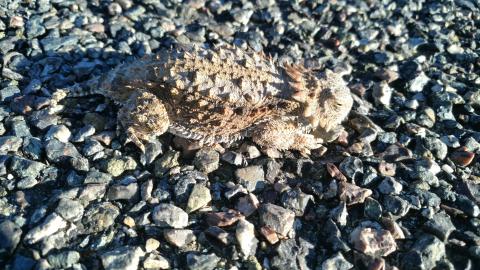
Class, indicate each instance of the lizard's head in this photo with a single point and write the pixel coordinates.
(325, 97)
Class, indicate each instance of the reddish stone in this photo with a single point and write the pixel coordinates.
(352, 194)
(387, 169)
(269, 234)
(462, 156)
(335, 172)
(223, 219)
(373, 242)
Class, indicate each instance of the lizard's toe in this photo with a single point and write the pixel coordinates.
(136, 138)
(306, 142)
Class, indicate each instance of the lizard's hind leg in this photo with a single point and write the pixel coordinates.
(282, 135)
(144, 117)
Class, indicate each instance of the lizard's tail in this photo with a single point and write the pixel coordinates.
(87, 88)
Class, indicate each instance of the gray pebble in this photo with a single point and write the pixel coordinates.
(19, 127)
(124, 257)
(396, 205)
(63, 259)
(135, 12)
(92, 147)
(418, 83)
(202, 261)
(206, 160)
(179, 237)
(234, 158)
(116, 166)
(34, 27)
(95, 177)
(25, 167)
(437, 147)
(55, 43)
(32, 147)
(440, 225)
(166, 162)
(245, 235)
(372, 208)
(184, 183)
(276, 217)
(252, 177)
(339, 214)
(287, 255)
(199, 197)
(351, 166)
(450, 141)
(60, 132)
(27, 182)
(8, 92)
(241, 15)
(468, 206)
(169, 215)
(58, 151)
(52, 224)
(390, 186)
(152, 150)
(114, 9)
(92, 192)
(42, 120)
(122, 192)
(83, 133)
(425, 253)
(7, 44)
(10, 234)
(99, 217)
(70, 210)
(156, 261)
(84, 68)
(10, 143)
(335, 262)
(296, 200)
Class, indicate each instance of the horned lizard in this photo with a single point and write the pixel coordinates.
(221, 95)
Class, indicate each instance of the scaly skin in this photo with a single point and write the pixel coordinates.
(221, 95)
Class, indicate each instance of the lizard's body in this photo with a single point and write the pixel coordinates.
(221, 95)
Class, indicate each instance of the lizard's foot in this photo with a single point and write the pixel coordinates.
(283, 135)
(306, 142)
(330, 135)
(143, 116)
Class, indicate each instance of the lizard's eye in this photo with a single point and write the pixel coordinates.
(337, 104)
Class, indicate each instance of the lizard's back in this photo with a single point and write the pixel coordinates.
(211, 95)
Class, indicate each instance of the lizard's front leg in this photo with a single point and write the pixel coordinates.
(282, 135)
(143, 116)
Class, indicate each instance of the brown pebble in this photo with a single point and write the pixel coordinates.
(96, 28)
(16, 22)
(352, 194)
(387, 169)
(269, 234)
(223, 219)
(335, 172)
(343, 138)
(462, 156)
(373, 242)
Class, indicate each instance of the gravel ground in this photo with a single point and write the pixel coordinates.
(399, 189)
